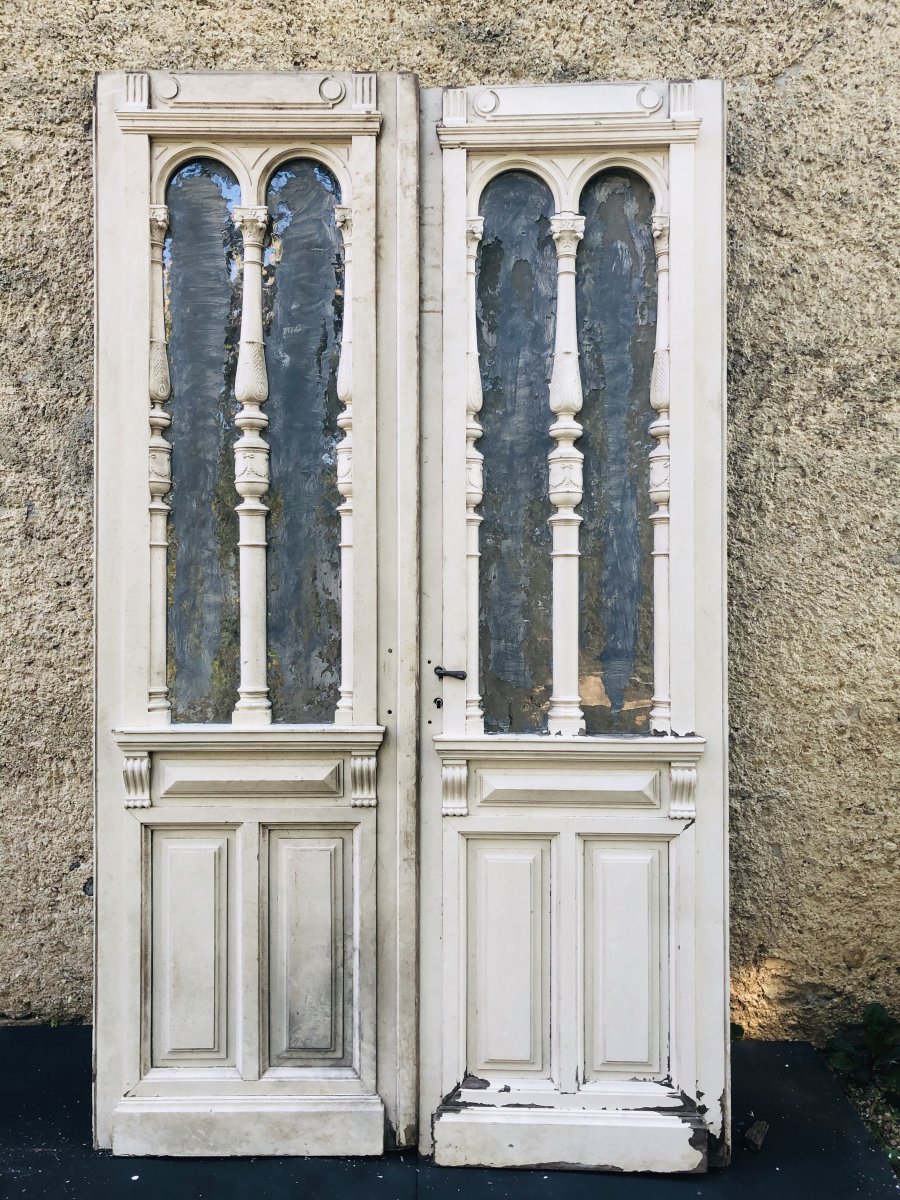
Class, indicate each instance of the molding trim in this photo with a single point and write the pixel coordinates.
(276, 738)
(547, 750)
(240, 122)
(555, 133)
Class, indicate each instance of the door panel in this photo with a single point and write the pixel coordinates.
(625, 907)
(193, 968)
(310, 947)
(508, 952)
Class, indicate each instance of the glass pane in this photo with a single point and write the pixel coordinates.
(203, 306)
(302, 311)
(516, 312)
(616, 299)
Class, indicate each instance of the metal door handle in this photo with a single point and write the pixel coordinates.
(440, 672)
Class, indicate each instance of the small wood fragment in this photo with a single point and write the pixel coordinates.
(755, 1136)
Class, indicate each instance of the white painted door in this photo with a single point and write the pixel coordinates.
(257, 272)
(573, 950)
(410, 668)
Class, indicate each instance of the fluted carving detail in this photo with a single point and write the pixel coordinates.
(566, 481)
(136, 777)
(363, 773)
(661, 710)
(343, 216)
(454, 788)
(683, 791)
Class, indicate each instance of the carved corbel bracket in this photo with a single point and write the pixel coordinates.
(683, 788)
(136, 773)
(454, 788)
(363, 773)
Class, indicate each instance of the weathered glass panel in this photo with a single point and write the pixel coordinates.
(616, 304)
(202, 275)
(302, 312)
(516, 312)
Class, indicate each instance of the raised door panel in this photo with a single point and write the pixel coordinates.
(508, 1018)
(191, 967)
(310, 938)
(624, 953)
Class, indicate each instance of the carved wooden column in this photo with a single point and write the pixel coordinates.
(474, 483)
(344, 714)
(160, 471)
(661, 711)
(251, 476)
(566, 482)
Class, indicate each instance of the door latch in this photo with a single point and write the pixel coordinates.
(440, 672)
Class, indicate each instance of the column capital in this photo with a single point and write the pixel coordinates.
(252, 220)
(343, 218)
(660, 225)
(568, 230)
(159, 223)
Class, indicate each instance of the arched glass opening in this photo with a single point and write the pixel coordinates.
(515, 318)
(616, 307)
(302, 315)
(202, 282)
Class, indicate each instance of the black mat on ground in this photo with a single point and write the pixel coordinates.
(816, 1147)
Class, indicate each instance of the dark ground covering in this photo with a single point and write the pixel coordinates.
(817, 1147)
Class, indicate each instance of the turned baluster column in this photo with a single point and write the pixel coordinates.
(344, 714)
(160, 470)
(661, 711)
(566, 482)
(251, 476)
(474, 483)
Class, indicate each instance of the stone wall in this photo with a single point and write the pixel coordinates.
(813, 401)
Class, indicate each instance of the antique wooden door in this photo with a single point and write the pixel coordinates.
(573, 949)
(256, 624)
(410, 715)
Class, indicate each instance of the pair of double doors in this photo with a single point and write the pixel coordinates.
(410, 689)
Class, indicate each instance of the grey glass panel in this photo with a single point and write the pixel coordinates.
(303, 310)
(203, 305)
(616, 299)
(516, 312)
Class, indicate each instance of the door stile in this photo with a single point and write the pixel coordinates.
(403, 1107)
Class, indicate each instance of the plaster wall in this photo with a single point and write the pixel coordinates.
(813, 412)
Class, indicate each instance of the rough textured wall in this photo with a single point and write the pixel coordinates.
(813, 401)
